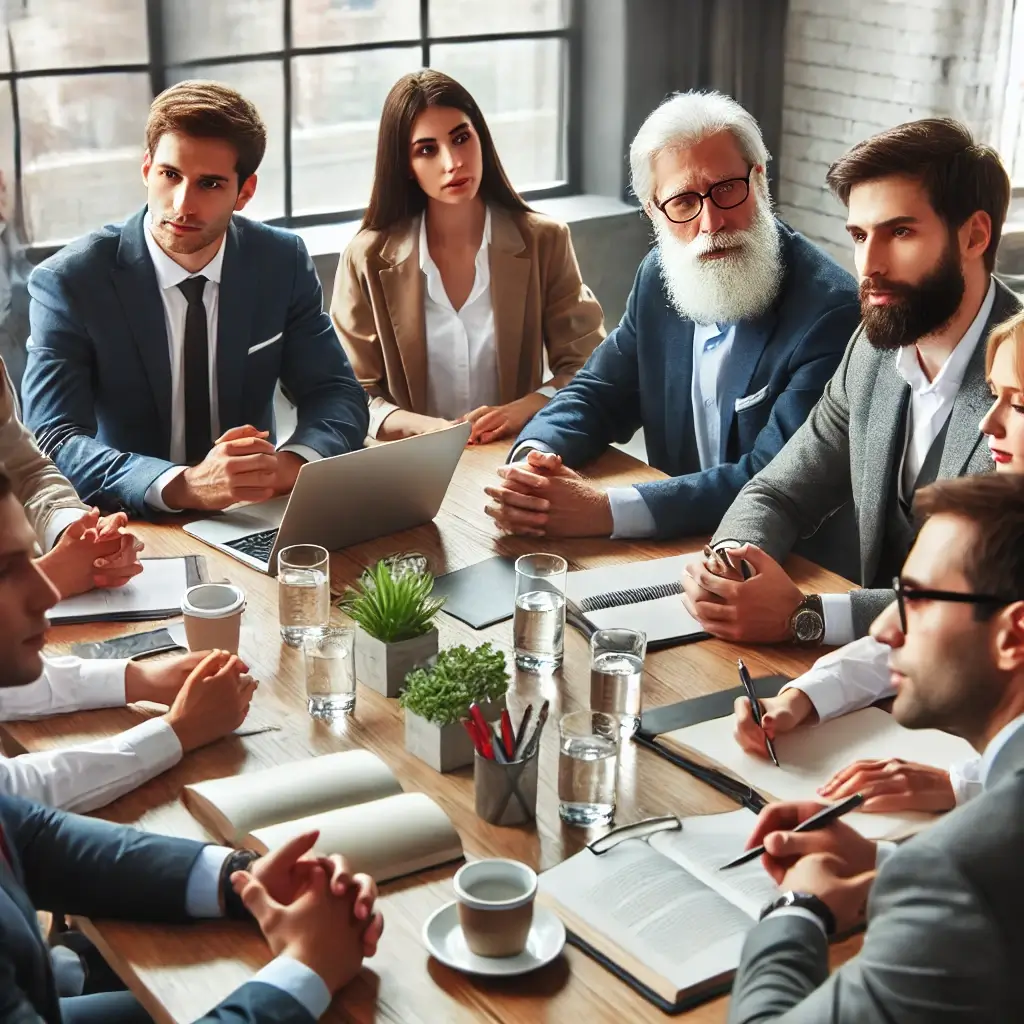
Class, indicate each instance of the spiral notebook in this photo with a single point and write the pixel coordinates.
(637, 595)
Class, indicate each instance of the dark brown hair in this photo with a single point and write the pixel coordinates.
(210, 110)
(396, 195)
(959, 175)
(994, 502)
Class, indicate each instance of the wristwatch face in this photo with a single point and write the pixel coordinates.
(808, 626)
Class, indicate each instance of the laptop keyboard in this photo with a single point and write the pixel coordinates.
(255, 545)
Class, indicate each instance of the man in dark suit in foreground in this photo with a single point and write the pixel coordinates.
(945, 914)
(157, 344)
(317, 918)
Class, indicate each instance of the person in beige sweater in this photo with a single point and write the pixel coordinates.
(80, 548)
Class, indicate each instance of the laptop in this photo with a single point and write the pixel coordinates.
(343, 500)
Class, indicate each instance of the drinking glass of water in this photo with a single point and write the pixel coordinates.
(539, 624)
(588, 757)
(330, 671)
(303, 591)
(616, 674)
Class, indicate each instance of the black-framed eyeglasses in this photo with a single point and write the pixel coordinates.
(685, 206)
(905, 592)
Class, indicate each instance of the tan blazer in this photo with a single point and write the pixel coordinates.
(538, 297)
(38, 483)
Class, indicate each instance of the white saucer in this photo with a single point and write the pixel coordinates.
(442, 935)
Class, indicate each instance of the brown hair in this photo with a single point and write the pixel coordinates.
(396, 195)
(1008, 330)
(959, 175)
(994, 502)
(210, 110)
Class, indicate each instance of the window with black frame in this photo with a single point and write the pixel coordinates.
(76, 80)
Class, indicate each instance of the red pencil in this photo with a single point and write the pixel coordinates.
(508, 740)
(483, 731)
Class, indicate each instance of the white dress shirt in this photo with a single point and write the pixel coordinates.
(931, 402)
(168, 276)
(87, 776)
(462, 354)
(857, 675)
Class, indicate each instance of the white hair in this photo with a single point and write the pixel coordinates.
(684, 120)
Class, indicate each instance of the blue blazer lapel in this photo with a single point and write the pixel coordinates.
(136, 286)
(234, 330)
(680, 440)
(747, 346)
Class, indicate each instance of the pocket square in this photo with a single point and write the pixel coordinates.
(264, 344)
(751, 400)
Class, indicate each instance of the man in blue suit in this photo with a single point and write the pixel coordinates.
(317, 917)
(733, 328)
(157, 343)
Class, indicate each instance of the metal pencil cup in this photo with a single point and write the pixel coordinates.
(506, 794)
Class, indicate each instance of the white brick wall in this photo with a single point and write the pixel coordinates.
(854, 67)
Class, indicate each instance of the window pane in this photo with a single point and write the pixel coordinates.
(72, 33)
(517, 85)
(341, 22)
(337, 102)
(81, 146)
(471, 17)
(199, 29)
(261, 82)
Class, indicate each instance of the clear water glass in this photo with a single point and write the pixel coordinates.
(330, 661)
(588, 759)
(538, 627)
(616, 674)
(303, 591)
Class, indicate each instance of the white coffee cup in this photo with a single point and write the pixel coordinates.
(213, 616)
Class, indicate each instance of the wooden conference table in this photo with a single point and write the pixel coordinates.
(180, 972)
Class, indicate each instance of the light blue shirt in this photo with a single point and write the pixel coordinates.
(202, 899)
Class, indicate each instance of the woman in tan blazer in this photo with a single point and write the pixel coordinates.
(454, 290)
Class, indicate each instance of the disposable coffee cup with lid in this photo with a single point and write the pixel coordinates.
(213, 616)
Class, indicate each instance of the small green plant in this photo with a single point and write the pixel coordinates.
(392, 608)
(443, 692)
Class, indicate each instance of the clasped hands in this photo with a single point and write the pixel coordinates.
(94, 551)
(836, 864)
(541, 497)
(313, 909)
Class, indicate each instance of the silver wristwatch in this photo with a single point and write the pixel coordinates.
(807, 623)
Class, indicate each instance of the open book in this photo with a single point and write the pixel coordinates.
(352, 798)
(637, 595)
(660, 910)
(810, 757)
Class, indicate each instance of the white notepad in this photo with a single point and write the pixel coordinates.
(155, 593)
(616, 596)
(810, 757)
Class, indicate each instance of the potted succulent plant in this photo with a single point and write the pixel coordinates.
(436, 697)
(394, 616)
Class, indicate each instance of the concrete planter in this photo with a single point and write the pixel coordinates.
(445, 747)
(383, 667)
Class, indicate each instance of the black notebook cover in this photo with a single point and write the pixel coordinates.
(656, 721)
(479, 595)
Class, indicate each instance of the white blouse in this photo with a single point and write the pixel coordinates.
(462, 354)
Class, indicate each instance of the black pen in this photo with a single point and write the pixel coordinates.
(822, 819)
(755, 707)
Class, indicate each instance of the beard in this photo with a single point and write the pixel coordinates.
(738, 286)
(918, 309)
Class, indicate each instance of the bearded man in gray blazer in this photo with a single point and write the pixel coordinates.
(926, 207)
(945, 911)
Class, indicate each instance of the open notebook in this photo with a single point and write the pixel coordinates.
(637, 595)
(658, 911)
(352, 798)
(809, 757)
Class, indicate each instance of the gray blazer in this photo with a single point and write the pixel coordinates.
(845, 450)
(945, 936)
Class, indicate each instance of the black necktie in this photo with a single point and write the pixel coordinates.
(198, 441)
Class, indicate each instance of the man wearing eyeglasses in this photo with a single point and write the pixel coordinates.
(734, 325)
(944, 910)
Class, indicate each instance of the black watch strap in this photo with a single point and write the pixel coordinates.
(805, 901)
(240, 860)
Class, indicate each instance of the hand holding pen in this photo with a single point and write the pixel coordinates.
(755, 708)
